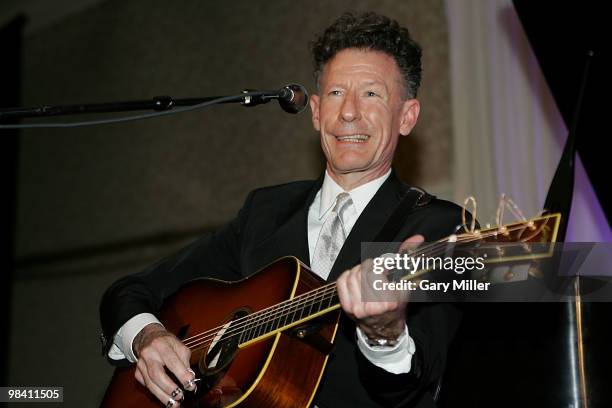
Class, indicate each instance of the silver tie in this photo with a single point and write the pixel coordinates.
(331, 237)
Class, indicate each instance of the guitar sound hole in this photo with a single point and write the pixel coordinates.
(214, 364)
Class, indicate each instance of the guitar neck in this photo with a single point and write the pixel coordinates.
(317, 302)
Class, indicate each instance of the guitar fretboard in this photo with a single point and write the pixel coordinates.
(289, 313)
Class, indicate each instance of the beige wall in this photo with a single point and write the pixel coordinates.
(100, 186)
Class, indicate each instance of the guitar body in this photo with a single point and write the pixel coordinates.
(280, 370)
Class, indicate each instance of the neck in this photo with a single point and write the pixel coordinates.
(352, 180)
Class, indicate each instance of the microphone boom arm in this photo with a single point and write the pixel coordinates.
(158, 103)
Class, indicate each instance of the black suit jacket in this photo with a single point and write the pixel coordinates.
(273, 223)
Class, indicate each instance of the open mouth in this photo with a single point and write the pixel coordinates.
(356, 138)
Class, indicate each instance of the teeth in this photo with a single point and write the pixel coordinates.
(353, 138)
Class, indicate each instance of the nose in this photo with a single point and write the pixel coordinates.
(349, 111)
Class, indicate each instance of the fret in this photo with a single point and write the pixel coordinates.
(286, 313)
(276, 319)
(266, 321)
(258, 325)
(319, 301)
(283, 317)
(301, 312)
(292, 311)
(296, 309)
(270, 320)
(331, 298)
(241, 334)
(311, 301)
(254, 320)
(322, 305)
(249, 327)
(270, 317)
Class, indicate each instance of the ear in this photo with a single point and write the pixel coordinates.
(314, 107)
(409, 115)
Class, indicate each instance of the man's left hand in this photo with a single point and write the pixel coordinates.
(384, 320)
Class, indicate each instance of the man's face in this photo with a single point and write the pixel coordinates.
(360, 113)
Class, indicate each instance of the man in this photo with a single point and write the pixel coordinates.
(368, 71)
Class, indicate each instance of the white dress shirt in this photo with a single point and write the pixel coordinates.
(395, 359)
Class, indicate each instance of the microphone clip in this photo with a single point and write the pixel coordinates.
(260, 99)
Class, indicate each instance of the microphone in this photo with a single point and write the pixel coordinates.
(293, 98)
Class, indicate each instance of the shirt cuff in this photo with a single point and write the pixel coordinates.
(395, 359)
(122, 342)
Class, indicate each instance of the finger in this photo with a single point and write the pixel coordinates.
(139, 377)
(190, 385)
(158, 375)
(157, 355)
(171, 353)
(184, 354)
(343, 294)
(353, 287)
(177, 366)
(412, 242)
(188, 377)
(162, 396)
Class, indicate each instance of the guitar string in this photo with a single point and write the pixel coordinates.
(278, 311)
(259, 315)
(258, 322)
(331, 294)
(258, 319)
(302, 300)
(460, 238)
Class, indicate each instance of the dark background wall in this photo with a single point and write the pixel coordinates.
(97, 203)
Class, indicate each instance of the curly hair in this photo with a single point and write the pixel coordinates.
(370, 31)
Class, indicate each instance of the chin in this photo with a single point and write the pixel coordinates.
(350, 167)
(352, 160)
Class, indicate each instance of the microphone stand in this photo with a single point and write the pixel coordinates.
(158, 103)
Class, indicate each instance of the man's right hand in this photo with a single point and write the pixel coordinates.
(157, 349)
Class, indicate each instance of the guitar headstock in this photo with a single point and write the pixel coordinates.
(540, 229)
(516, 245)
(523, 240)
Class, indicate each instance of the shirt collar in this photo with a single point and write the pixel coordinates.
(361, 195)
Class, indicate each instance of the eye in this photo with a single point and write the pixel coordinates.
(371, 93)
(335, 92)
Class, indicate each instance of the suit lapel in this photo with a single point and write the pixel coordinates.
(371, 221)
(291, 237)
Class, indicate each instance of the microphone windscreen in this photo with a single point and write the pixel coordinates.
(293, 98)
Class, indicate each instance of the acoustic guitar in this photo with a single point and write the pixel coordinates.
(264, 341)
